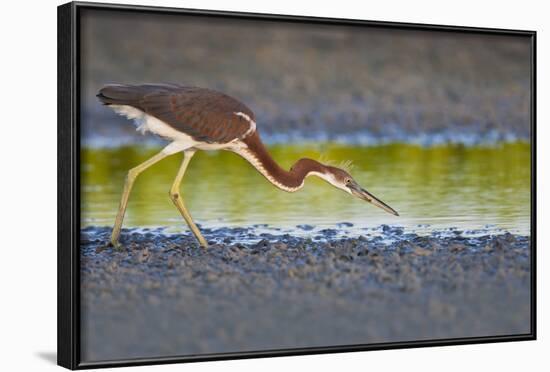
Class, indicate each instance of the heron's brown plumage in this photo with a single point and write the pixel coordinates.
(204, 114)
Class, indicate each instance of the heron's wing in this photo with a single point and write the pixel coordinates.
(203, 114)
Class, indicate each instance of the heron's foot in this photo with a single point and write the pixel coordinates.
(195, 230)
(202, 241)
(106, 246)
(116, 245)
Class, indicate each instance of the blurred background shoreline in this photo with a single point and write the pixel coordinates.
(316, 83)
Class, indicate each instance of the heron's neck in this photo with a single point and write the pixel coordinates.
(293, 180)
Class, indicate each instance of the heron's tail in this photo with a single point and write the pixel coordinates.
(119, 94)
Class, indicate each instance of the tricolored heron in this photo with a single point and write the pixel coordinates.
(194, 119)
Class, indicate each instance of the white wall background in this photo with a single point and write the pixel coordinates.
(28, 184)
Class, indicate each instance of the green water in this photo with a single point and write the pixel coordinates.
(432, 188)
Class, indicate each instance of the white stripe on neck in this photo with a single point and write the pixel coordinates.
(256, 163)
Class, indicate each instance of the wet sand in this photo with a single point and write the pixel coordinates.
(165, 296)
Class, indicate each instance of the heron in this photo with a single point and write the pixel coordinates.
(193, 118)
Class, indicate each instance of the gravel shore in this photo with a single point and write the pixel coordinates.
(162, 295)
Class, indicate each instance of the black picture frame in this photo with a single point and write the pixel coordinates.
(68, 337)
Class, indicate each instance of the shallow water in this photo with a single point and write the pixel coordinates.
(469, 189)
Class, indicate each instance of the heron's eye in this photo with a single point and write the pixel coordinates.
(348, 181)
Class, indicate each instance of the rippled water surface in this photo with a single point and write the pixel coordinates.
(436, 188)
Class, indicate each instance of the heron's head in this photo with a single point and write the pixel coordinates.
(342, 180)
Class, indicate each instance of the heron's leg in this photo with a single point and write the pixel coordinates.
(130, 178)
(178, 200)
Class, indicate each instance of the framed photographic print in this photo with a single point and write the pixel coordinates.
(236, 185)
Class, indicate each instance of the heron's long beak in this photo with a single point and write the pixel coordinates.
(361, 193)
